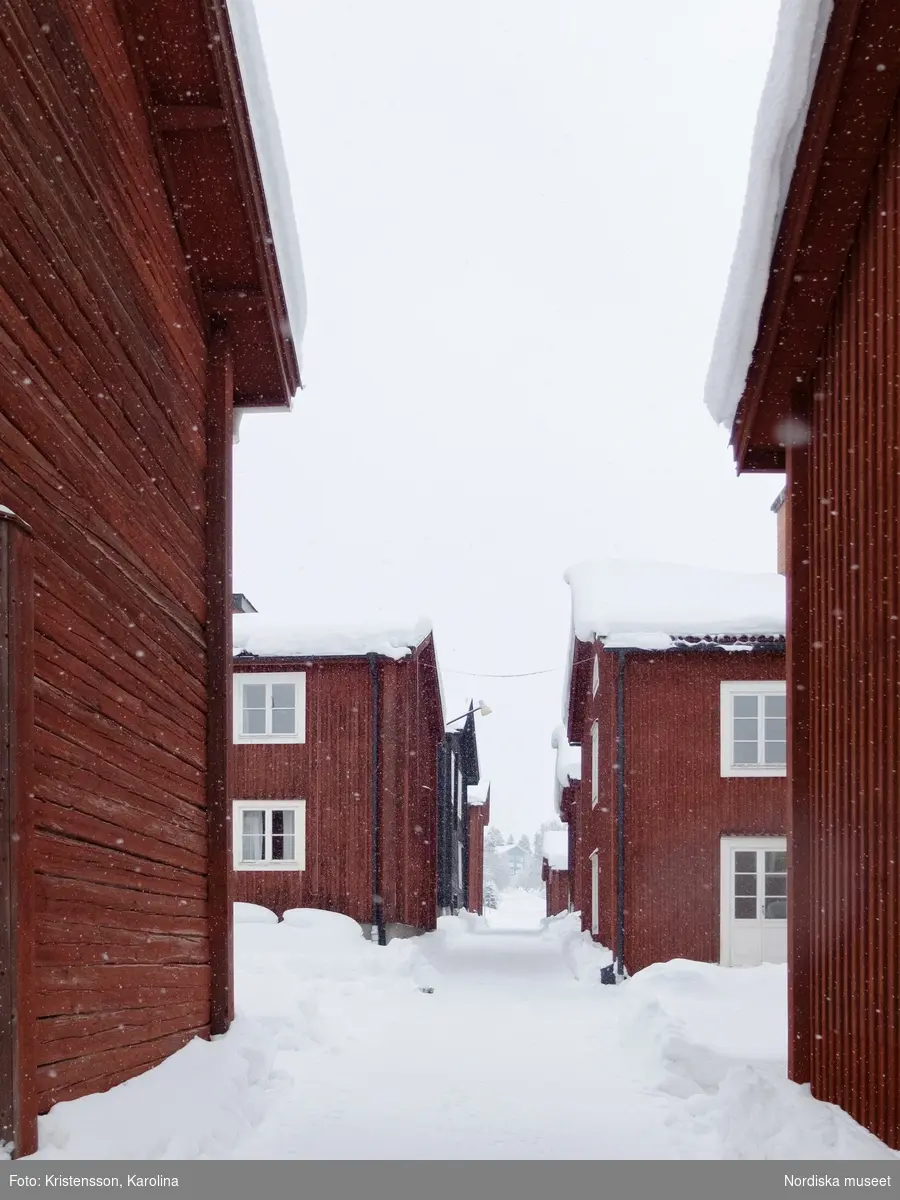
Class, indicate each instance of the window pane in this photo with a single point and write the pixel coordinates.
(283, 720)
(745, 730)
(745, 753)
(254, 695)
(745, 860)
(776, 885)
(776, 754)
(776, 706)
(283, 695)
(776, 729)
(253, 836)
(776, 860)
(776, 910)
(283, 834)
(745, 706)
(745, 885)
(745, 908)
(253, 705)
(254, 721)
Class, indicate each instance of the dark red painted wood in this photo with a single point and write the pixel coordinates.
(220, 423)
(18, 1112)
(115, 447)
(677, 805)
(479, 816)
(331, 772)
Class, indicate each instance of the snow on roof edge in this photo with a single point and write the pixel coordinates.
(800, 35)
(555, 849)
(272, 164)
(650, 605)
(258, 638)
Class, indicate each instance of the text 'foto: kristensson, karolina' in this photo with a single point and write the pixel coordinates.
(848, 1181)
(95, 1181)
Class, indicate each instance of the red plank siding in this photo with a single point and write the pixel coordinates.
(677, 805)
(102, 428)
(332, 772)
(557, 885)
(848, 1017)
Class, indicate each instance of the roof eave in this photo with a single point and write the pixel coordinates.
(851, 105)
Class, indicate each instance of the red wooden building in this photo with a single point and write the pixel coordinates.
(676, 697)
(335, 772)
(479, 812)
(567, 783)
(555, 871)
(805, 373)
(141, 306)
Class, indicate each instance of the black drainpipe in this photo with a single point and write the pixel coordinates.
(377, 899)
(620, 815)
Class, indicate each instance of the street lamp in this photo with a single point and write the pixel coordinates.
(482, 708)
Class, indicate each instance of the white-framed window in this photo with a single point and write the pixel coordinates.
(269, 835)
(595, 764)
(754, 728)
(270, 708)
(596, 683)
(595, 892)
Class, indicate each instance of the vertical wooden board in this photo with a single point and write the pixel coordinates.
(678, 806)
(853, 651)
(331, 771)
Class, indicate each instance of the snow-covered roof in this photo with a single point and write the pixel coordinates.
(568, 764)
(651, 606)
(800, 34)
(254, 635)
(476, 799)
(555, 849)
(272, 162)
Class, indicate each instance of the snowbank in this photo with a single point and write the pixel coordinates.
(253, 914)
(652, 605)
(206, 1098)
(583, 957)
(255, 635)
(716, 1037)
(779, 128)
(196, 1104)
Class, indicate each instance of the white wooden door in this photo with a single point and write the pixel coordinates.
(753, 901)
(595, 894)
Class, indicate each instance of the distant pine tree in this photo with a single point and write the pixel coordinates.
(491, 899)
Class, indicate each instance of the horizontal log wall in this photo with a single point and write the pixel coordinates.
(102, 451)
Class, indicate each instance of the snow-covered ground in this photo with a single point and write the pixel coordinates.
(492, 1038)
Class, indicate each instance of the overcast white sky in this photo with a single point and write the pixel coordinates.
(517, 219)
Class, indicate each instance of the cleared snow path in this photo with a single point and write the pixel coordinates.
(340, 1051)
(507, 1058)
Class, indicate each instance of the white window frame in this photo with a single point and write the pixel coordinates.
(298, 807)
(595, 764)
(596, 682)
(728, 691)
(595, 893)
(298, 679)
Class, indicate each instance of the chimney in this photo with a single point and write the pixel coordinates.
(780, 508)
